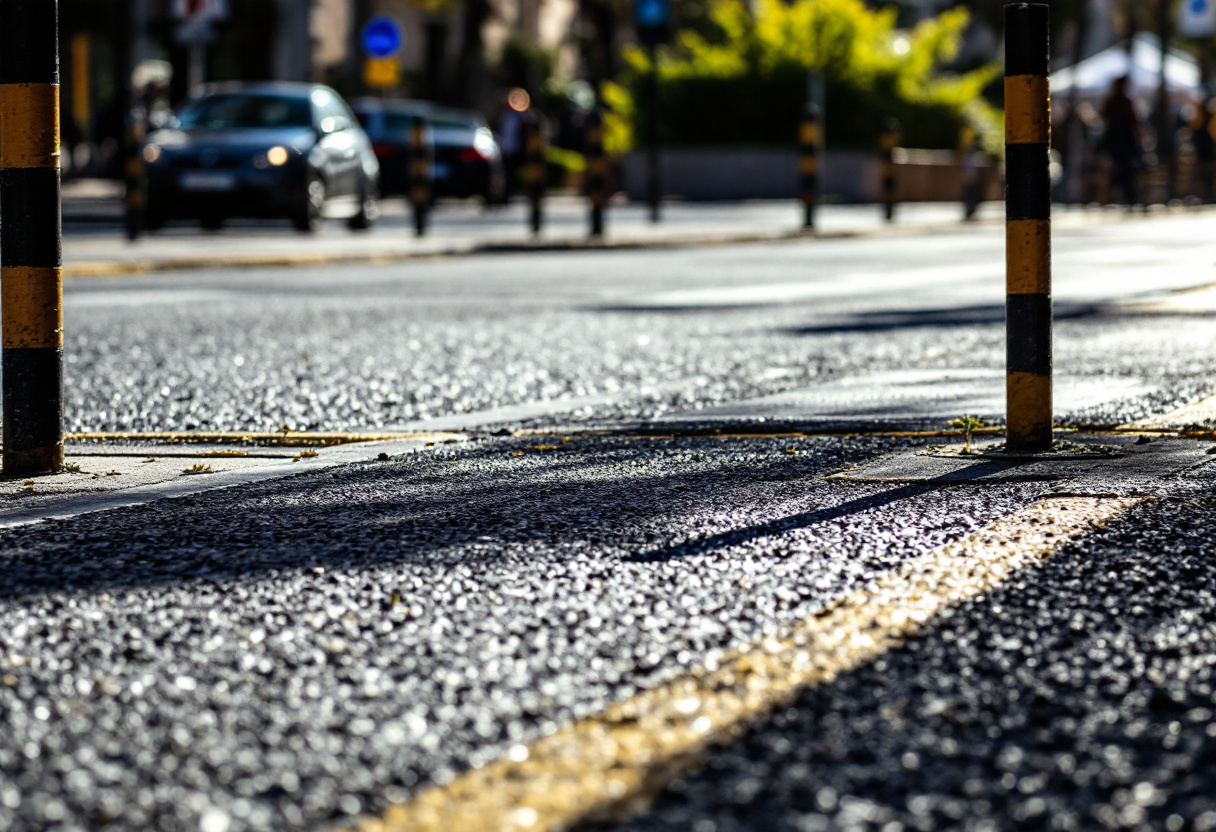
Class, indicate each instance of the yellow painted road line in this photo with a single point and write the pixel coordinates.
(606, 766)
(275, 439)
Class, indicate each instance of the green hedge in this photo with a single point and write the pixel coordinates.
(748, 86)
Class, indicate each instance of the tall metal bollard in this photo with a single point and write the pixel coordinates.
(888, 141)
(808, 163)
(534, 161)
(422, 171)
(30, 237)
(1028, 227)
(597, 171)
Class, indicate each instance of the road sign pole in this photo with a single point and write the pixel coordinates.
(31, 282)
(654, 187)
(1028, 227)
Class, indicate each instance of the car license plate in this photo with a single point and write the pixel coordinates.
(443, 171)
(208, 181)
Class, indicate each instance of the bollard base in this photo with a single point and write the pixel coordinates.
(27, 463)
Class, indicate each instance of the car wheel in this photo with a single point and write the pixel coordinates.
(369, 211)
(312, 208)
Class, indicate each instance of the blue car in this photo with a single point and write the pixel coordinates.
(272, 150)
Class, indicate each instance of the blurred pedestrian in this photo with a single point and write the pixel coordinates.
(1123, 141)
(511, 136)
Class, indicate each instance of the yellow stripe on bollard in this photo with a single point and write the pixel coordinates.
(32, 301)
(1028, 257)
(29, 126)
(1033, 394)
(1026, 120)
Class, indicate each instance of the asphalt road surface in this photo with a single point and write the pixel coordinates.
(310, 651)
(626, 334)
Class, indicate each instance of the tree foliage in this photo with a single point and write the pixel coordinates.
(746, 81)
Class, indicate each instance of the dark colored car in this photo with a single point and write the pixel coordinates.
(263, 150)
(467, 159)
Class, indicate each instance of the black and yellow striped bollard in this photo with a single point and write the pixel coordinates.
(30, 237)
(597, 171)
(534, 170)
(808, 163)
(887, 142)
(135, 198)
(1028, 227)
(422, 168)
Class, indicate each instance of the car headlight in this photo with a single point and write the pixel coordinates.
(484, 145)
(151, 154)
(277, 156)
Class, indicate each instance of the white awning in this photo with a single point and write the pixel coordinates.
(1094, 75)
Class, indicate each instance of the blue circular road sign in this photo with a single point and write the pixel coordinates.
(382, 37)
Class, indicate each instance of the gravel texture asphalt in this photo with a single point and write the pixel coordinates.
(1080, 697)
(634, 334)
(296, 654)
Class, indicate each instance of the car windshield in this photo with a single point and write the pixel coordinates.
(225, 111)
(455, 121)
(394, 122)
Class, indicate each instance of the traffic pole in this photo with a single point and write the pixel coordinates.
(1028, 227)
(808, 163)
(31, 283)
(534, 154)
(888, 141)
(597, 171)
(421, 171)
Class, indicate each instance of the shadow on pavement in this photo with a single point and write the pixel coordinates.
(779, 526)
(962, 316)
(621, 495)
(1080, 697)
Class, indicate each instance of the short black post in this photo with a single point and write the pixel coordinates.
(135, 174)
(808, 163)
(597, 171)
(534, 172)
(1028, 227)
(888, 141)
(422, 169)
(31, 281)
(968, 160)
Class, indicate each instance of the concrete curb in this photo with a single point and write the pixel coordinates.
(1065, 219)
(114, 268)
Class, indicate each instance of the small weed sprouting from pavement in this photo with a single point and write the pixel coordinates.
(72, 468)
(197, 469)
(968, 425)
